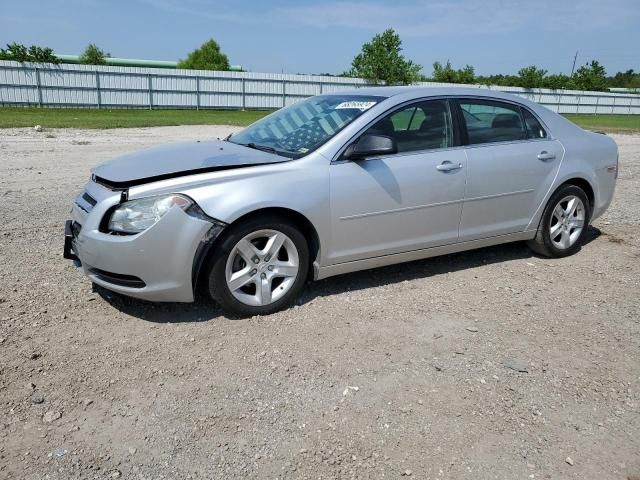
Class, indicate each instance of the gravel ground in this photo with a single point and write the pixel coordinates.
(486, 364)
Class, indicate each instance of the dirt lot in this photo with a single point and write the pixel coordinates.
(487, 364)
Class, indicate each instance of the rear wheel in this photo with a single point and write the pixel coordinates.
(563, 224)
(260, 268)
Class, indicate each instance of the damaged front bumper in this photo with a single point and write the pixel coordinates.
(160, 264)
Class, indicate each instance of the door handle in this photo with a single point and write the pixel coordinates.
(544, 155)
(447, 166)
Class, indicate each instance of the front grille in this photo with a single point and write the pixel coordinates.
(118, 278)
(89, 199)
(85, 202)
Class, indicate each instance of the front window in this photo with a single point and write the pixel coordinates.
(299, 129)
(420, 126)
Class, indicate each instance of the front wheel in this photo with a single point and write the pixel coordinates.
(563, 224)
(260, 268)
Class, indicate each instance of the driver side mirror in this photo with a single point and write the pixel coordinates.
(370, 145)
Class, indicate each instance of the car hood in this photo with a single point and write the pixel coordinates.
(177, 160)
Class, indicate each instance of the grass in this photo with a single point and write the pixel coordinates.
(608, 123)
(92, 118)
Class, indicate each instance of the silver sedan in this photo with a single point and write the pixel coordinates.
(338, 183)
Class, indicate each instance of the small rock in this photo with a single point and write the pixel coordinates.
(60, 452)
(37, 398)
(115, 474)
(51, 416)
(346, 390)
(38, 128)
(472, 329)
(132, 450)
(88, 402)
(569, 461)
(407, 473)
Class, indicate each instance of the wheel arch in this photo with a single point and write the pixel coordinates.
(585, 185)
(301, 221)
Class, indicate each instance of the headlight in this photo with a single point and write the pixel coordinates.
(136, 216)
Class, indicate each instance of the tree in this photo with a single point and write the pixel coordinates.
(531, 77)
(628, 79)
(207, 57)
(591, 76)
(557, 81)
(447, 74)
(93, 55)
(381, 61)
(35, 54)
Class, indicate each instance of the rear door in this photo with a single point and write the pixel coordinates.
(511, 163)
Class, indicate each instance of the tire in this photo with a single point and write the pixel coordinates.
(566, 238)
(270, 283)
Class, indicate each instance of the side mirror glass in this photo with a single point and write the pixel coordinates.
(370, 145)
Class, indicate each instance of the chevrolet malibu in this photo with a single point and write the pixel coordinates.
(338, 183)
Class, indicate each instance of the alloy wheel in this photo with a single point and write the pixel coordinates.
(567, 222)
(262, 267)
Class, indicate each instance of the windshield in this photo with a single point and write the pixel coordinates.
(299, 129)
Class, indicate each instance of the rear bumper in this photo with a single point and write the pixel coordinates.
(156, 265)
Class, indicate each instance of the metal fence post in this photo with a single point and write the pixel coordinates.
(98, 95)
(597, 102)
(150, 91)
(284, 93)
(559, 101)
(244, 94)
(321, 84)
(197, 93)
(39, 85)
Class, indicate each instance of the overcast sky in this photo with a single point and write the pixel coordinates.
(495, 36)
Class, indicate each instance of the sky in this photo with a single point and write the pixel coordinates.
(323, 36)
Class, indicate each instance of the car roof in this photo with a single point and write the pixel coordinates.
(428, 91)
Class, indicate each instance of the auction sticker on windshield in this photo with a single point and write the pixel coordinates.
(355, 105)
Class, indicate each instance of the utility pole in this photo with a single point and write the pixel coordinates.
(574, 63)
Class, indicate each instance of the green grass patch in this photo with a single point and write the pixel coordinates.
(93, 118)
(608, 123)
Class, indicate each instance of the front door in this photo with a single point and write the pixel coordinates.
(405, 201)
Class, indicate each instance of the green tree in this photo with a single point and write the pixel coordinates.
(20, 53)
(447, 74)
(557, 81)
(381, 61)
(93, 55)
(531, 77)
(628, 79)
(207, 57)
(591, 76)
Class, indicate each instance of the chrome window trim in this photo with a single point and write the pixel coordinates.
(337, 160)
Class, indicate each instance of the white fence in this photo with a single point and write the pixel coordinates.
(92, 86)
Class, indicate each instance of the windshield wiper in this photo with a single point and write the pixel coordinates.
(264, 148)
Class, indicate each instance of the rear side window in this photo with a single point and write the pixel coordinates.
(425, 125)
(489, 121)
(534, 129)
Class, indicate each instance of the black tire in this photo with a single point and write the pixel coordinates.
(542, 243)
(217, 284)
